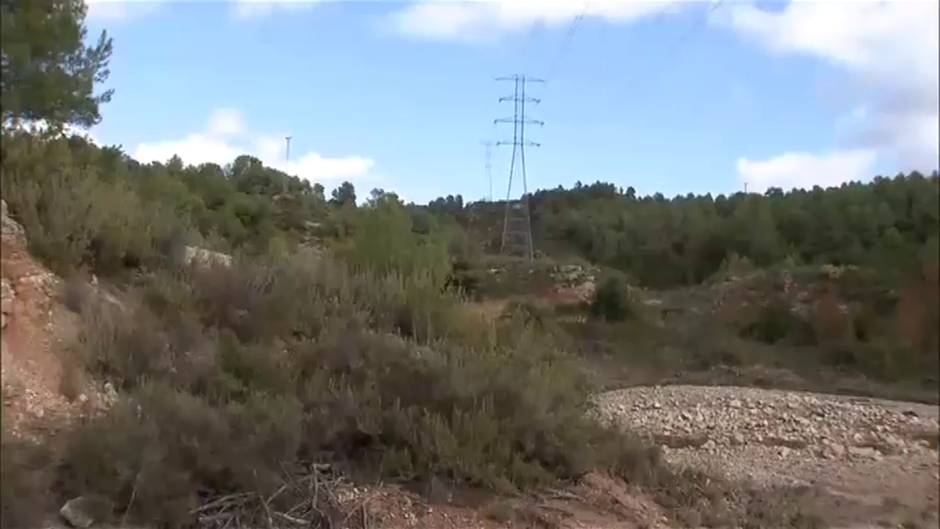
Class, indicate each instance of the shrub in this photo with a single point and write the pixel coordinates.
(830, 322)
(74, 217)
(156, 451)
(236, 372)
(775, 322)
(611, 301)
(76, 293)
(74, 378)
(54, 200)
(25, 483)
(125, 347)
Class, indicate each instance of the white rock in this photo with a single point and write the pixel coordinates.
(81, 512)
(864, 452)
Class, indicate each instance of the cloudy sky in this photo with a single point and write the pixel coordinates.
(664, 96)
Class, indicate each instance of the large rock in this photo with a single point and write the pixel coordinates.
(7, 297)
(84, 511)
(8, 226)
(203, 257)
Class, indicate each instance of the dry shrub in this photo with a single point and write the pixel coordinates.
(696, 499)
(125, 347)
(917, 315)
(500, 510)
(866, 324)
(26, 479)
(233, 373)
(830, 322)
(74, 377)
(76, 293)
(155, 452)
(775, 322)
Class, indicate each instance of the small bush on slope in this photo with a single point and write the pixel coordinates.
(25, 481)
(611, 301)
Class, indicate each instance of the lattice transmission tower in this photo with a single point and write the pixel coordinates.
(517, 222)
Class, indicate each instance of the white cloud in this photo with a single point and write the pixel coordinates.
(122, 10)
(226, 137)
(249, 9)
(41, 126)
(890, 48)
(194, 149)
(803, 170)
(478, 20)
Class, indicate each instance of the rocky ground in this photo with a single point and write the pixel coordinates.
(878, 457)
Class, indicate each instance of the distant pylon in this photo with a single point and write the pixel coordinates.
(286, 159)
(517, 222)
(488, 166)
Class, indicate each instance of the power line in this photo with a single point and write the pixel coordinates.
(517, 223)
(566, 43)
(673, 49)
(696, 25)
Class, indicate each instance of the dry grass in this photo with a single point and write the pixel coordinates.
(500, 510)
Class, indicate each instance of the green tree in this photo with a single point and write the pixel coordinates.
(344, 194)
(46, 71)
(610, 300)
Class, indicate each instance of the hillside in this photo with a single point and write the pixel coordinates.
(301, 347)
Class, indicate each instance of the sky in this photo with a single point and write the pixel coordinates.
(664, 96)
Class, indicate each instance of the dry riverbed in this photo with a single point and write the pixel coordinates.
(873, 460)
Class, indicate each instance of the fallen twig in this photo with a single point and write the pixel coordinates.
(291, 519)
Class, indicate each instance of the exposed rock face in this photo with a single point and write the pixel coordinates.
(203, 257)
(7, 297)
(36, 327)
(574, 283)
(8, 226)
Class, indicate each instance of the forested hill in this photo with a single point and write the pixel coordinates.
(889, 223)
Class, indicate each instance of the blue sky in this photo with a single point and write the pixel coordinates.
(665, 96)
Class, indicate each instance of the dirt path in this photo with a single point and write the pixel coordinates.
(873, 460)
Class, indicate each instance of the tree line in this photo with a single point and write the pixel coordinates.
(889, 223)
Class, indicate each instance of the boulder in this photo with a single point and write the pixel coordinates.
(84, 511)
(7, 297)
(8, 226)
(203, 257)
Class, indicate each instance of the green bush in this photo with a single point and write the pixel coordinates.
(775, 322)
(74, 216)
(611, 301)
(53, 199)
